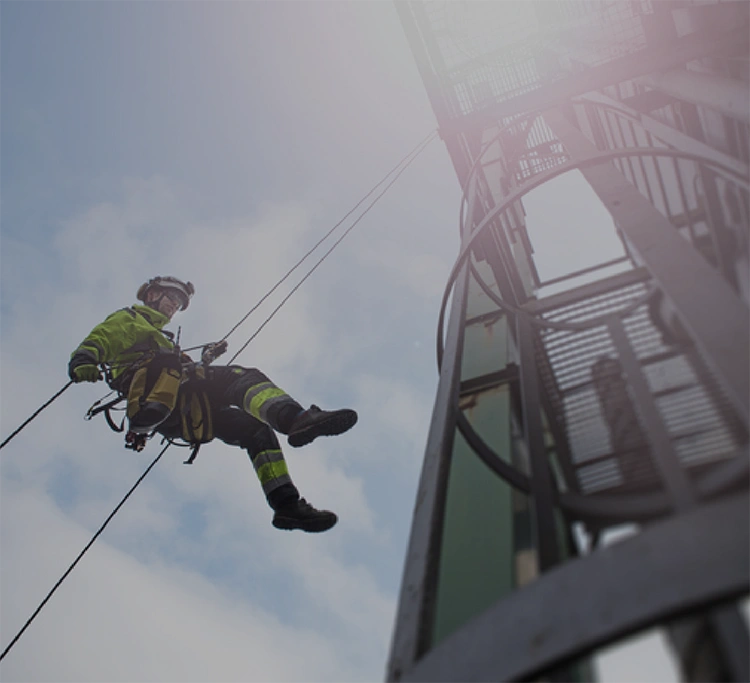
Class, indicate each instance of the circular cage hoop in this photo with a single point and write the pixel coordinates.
(468, 242)
(575, 505)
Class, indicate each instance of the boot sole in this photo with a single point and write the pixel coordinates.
(338, 423)
(310, 525)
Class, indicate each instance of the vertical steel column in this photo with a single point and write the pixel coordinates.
(542, 486)
(733, 641)
(413, 625)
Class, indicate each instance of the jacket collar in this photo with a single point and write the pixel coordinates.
(156, 318)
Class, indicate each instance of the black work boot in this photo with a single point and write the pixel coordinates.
(315, 422)
(301, 515)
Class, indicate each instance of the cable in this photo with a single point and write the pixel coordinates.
(414, 154)
(417, 150)
(82, 553)
(33, 415)
(398, 170)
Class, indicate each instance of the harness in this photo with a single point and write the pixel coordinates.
(107, 409)
(192, 402)
(136, 442)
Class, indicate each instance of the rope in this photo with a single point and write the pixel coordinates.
(33, 415)
(416, 150)
(82, 553)
(401, 167)
(398, 170)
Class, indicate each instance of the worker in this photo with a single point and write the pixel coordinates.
(170, 394)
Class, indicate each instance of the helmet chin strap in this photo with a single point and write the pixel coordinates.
(154, 303)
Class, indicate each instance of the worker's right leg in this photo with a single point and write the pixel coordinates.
(237, 428)
(257, 395)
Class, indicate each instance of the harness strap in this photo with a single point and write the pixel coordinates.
(194, 433)
(106, 409)
(193, 454)
(112, 425)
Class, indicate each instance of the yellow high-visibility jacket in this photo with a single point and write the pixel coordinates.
(125, 337)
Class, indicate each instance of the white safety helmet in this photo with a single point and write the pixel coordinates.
(184, 290)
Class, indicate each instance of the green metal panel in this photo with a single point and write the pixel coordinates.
(476, 563)
(485, 348)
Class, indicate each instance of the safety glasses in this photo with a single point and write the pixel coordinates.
(175, 297)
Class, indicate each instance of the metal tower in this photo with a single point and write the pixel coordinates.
(614, 395)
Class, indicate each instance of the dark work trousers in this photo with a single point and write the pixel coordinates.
(225, 387)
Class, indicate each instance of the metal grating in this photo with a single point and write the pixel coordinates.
(542, 152)
(491, 51)
(609, 451)
(605, 31)
(678, 188)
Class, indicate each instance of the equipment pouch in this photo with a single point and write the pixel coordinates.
(195, 411)
(155, 387)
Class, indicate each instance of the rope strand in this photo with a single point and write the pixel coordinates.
(398, 170)
(82, 553)
(414, 154)
(35, 413)
(416, 150)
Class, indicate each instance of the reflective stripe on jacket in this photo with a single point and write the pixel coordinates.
(125, 336)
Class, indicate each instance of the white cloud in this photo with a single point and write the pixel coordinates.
(397, 407)
(115, 619)
(181, 586)
(423, 273)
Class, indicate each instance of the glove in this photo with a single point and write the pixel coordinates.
(83, 368)
(86, 373)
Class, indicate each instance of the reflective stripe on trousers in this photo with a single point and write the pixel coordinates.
(261, 399)
(271, 469)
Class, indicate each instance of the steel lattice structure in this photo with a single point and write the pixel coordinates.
(621, 398)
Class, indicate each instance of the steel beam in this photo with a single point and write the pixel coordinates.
(669, 54)
(726, 95)
(542, 485)
(714, 316)
(425, 53)
(687, 562)
(413, 624)
(731, 631)
(661, 451)
(431, 65)
(672, 136)
(590, 289)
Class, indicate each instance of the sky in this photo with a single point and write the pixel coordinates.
(217, 142)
